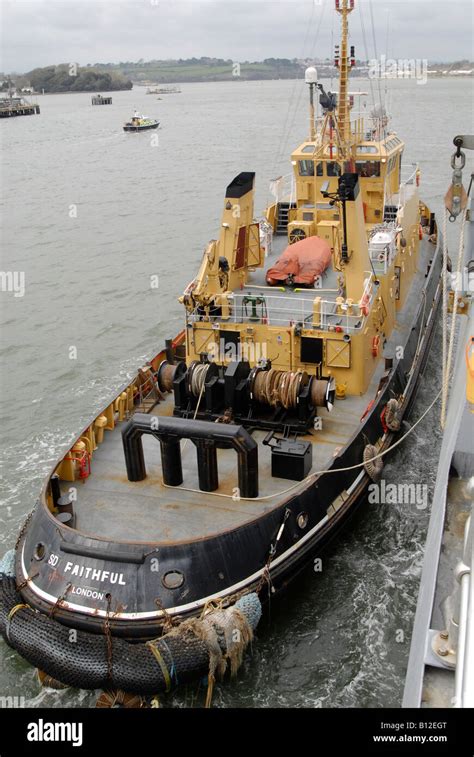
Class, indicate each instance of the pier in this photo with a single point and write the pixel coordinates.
(16, 106)
(99, 100)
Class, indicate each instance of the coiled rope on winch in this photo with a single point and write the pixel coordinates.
(197, 383)
(197, 378)
(278, 387)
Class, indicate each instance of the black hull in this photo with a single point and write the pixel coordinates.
(232, 562)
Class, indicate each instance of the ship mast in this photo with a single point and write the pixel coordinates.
(344, 7)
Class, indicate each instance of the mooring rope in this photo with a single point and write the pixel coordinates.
(447, 361)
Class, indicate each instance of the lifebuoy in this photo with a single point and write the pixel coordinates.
(375, 345)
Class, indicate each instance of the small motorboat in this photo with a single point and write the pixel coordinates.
(140, 123)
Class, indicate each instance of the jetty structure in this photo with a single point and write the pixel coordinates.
(15, 105)
(100, 100)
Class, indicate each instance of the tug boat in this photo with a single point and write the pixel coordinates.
(140, 123)
(232, 457)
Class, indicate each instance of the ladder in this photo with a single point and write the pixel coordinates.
(283, 216)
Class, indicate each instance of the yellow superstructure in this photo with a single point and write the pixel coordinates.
(349, 187)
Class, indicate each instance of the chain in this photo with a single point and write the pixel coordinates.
(60, 600)
(169, 621)
(24, 527)
(266, 578)
(24, 583)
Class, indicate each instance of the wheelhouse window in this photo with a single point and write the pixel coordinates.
(306, 167)
(368, 168)
(367, 148)
(333, 169)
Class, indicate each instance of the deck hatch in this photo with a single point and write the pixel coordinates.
(338, 353)
(311, 350)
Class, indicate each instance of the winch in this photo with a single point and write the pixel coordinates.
(259, 397)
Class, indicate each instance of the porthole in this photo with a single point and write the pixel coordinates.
(173, 579)
(40, 551)
(302, 520)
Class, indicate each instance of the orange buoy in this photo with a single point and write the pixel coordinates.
(364, 304)
(375, 345)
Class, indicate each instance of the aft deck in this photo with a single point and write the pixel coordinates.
(109, 506)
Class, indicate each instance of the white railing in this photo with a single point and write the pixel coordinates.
(464, 676)
(284, 188)
(408, 173)
(285, 310)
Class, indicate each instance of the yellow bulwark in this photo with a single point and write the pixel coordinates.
(345, 171)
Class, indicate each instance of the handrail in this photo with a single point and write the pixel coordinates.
(301, 309)
(464, 675)
(284, 187)
(411, 178)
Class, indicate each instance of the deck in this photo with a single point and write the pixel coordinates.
(111, 507)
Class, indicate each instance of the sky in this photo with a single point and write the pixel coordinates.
(38, 33)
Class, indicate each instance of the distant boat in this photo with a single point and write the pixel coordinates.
(141, 123)
(163, 91)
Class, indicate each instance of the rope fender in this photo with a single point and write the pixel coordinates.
(81, 659)
(373, 467)
(391, 416)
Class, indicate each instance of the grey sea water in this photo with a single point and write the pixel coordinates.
(89, 215)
